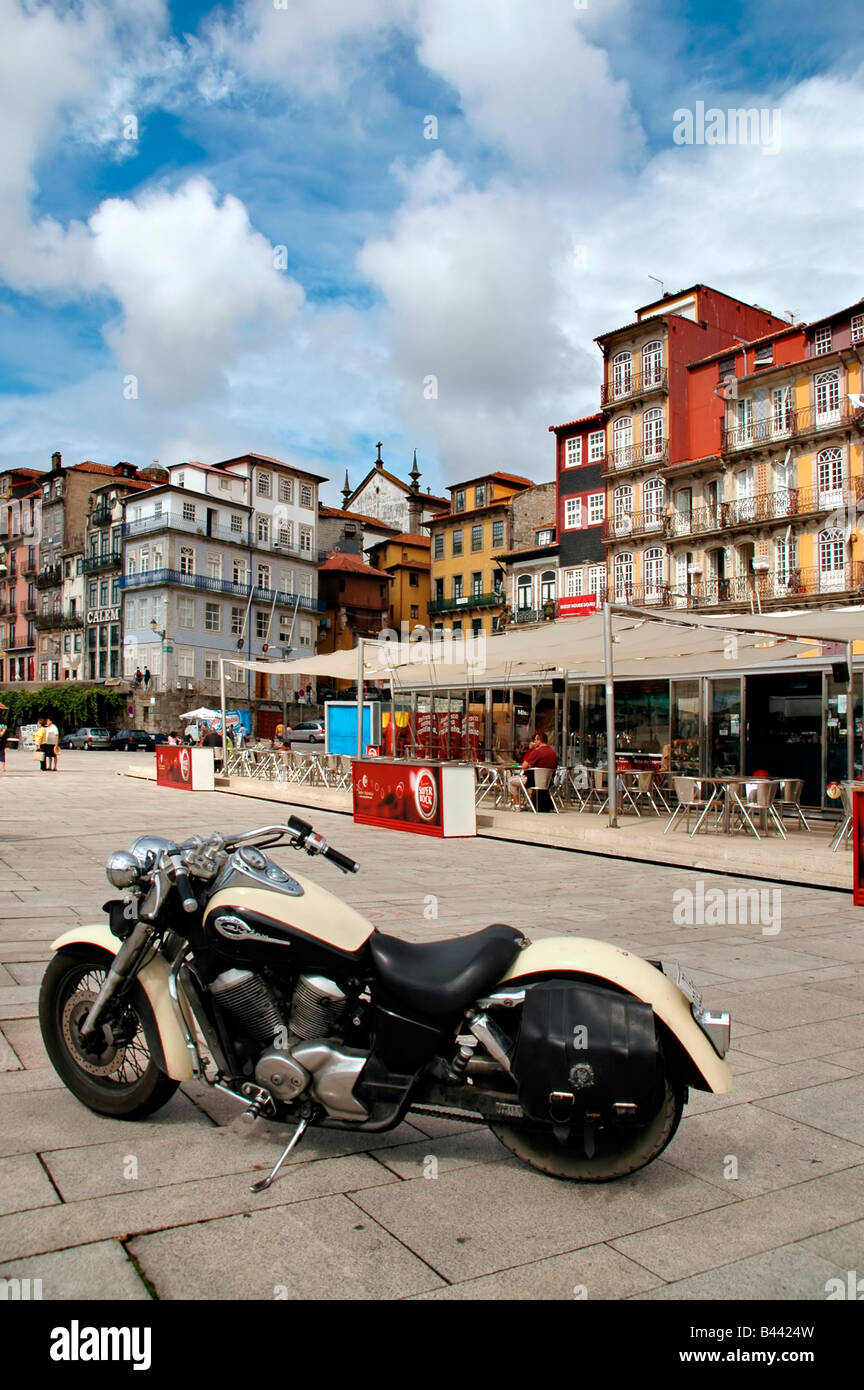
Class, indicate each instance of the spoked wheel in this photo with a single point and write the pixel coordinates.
(112, 1073)
(617, 1150)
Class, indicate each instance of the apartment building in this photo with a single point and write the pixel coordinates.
(532, 562)
(405, 559)
(20, 501)
(468, 543)
(580, 457)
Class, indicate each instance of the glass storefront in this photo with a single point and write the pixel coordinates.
(784, 729)
(724, 728)
(683, 757)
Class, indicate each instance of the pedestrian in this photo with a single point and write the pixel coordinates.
(52, 740)
(39, 740)
(139, 676)
(4, 739)
(539, 754)
(146, 676)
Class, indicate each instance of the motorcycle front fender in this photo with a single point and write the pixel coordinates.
(153, 979)
(563, 955)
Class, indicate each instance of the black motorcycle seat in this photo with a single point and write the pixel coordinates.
(441, 978)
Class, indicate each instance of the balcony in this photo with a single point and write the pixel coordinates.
(57, 621)
(451, 605)
(100, 516)
(763, 508)
(150, 578)
(754, 591)
(642, 595)
(108, 560)
(49, 577)
(634, 524)
(793, 424)
(639, 384)
(631, 456)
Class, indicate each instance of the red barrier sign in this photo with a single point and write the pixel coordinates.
(577, 607)
(174, 767)
(398, 797)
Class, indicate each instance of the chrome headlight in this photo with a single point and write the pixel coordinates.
(122, 869)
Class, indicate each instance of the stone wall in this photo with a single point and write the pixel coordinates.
(532, 508)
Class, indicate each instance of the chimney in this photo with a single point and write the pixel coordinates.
(56, 462)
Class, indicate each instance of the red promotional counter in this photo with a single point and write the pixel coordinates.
(424, 798)
(188, 769)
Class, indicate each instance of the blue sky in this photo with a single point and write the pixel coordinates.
(281, 260)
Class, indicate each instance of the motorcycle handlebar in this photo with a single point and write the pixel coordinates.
(348, 866)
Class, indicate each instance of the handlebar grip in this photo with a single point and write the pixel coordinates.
(348, 866)
(184, 888)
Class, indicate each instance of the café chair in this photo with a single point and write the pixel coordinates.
(691, 797)
(789, 799)
(761, 795)
(845, 831)
(543, 783)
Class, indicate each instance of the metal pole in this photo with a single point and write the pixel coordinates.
(360, 697)
(850, 717)
(224, 717)
(392, 718)
(611, 772)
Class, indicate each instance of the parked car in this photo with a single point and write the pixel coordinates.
(132, 740)
(89, 737)
(310, 731)
(66, 740)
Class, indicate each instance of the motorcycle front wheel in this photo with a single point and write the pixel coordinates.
(618, 1151)
(113, 1074)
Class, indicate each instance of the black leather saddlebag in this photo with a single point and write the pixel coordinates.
(585, 1052)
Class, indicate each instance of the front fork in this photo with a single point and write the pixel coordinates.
(124, 964)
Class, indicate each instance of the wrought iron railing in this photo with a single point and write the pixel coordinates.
(448, 605)
(631, 456)
(49, 577)
(637, 384)
(203, 583)
(108, 560)
(788, 425)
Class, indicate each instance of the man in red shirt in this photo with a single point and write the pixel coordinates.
(539, 754)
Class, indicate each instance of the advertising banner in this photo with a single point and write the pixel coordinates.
(174, 767)
(577, 607)
(858, 846)
(398, 797)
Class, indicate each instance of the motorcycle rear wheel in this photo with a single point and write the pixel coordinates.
(619, 1151)
(118, 1077)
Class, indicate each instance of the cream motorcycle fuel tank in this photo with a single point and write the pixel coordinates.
(261, 913)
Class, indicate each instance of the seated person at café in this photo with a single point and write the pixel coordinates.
(538, 754)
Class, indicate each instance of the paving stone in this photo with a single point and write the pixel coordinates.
(836, 1108)
(480, 1219)
(780, 1008)
(430, 1157)
(695, 1244)
(22, 1082)
(808, 1040)
(9, 1060)
(767, 1081)
(26, 973)
(788, 1273)
(595, 1272)
(25, 1036)
(31, 1124)
(89, 1273)
(324, 1249)
(24, 1184)
(842, 1247)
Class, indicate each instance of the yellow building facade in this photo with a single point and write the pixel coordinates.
(405, 558)
(467, 585)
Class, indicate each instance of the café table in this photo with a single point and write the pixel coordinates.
(725, 790)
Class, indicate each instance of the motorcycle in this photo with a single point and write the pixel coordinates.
(218, 964)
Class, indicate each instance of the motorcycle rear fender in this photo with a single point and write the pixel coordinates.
(153, 979)
(561, 955)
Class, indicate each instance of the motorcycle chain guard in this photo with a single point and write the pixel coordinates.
(585, 1055)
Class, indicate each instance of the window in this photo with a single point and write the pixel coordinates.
(497, 534)
(622, 374)
(236, 524)
(596, 446)
(459, 500)
(93, 592)
(181, 479)
(413, 579)
(263, 577)
(572, 513)
(186, 662)
(652, 364)
(622, 442)
(622, 508)
(543, 537)
(653, 502)
(415, 611)
(476, 583)
(653, 576)
(596, 508)
(652, 432)
(306, 584)
(157, 507)
(439, 545)
(185, 612)
(214, 566)
(572, 583)
(457, 543)
(211, 667)
(764, 355)
(480, 495)
(237, 616)
(262, 530)
(823, 341)
(261, 624)
(286, 490)
(857, 328)
(457, 627)
(224, 484)
(827, 392)
(306, 540)
(573, 452)
(829, 470)
(831, 560)
(523, 591)
(103, 593)
(188, 511)
(547, 587)
(744, 419)
(306, 638)
(782, 414)
(476, 537)
(785, 561)
(187, 560)
(264, 485)
(212, 617)
(143, 611)
(457, 586)
(623, 576)
(286, 532)
(286, 581)
(239, 571)
(306, 495)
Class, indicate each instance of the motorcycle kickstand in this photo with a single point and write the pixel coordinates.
(295, 1139)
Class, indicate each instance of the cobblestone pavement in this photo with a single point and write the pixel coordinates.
(759, 1196)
